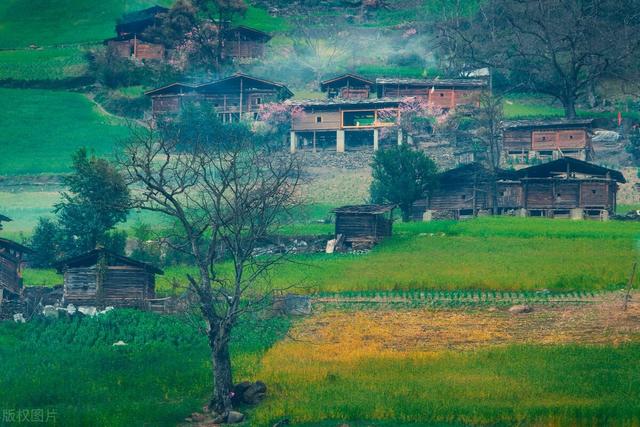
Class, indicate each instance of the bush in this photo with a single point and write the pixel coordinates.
(44, 243)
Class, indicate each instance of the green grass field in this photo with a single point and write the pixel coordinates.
(46, 64)
(41, 129)
(523, 254)
(71, 368)
(47, 23)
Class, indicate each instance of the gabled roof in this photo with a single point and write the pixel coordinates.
(433, 82)
(92, 257)
(471, 169)
(142, 15)
(244, 78)
(251, 32)
(172, 88)
(364, 209)
(175, 88)
(553, 123)
(10, 244)
(569, 164)
(348, 76)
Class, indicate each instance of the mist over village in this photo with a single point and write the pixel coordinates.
(319, 213)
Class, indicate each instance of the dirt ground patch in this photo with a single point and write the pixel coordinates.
(386, 330)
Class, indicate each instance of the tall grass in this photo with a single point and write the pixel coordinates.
(535, 385)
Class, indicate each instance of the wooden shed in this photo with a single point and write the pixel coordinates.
(364, 223)
(348, 86)
(102, 278)
(12, 260)
(527, 140)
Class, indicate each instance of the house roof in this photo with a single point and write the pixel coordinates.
(91, 258)
(469, 169)
(348, 76)
(256, 81)
(10, 244)
(142, 15)
(433, 82)
(339, 102)
(252, 32)
(554, 123)
(174, 88)
(569, 164)
(364, 209)
(4, 218)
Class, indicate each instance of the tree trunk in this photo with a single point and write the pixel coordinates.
(569, 105)
(222, 376)
(406, 213)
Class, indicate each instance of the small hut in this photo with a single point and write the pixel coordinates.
(363, 223)
(102, 278)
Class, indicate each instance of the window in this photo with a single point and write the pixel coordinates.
(257, 101)
(464, 197)
(442, 95)
(502, 194)
(558, 195)
(593, 191)
(318, 119)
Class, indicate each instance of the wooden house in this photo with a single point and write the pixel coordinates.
(102, 278)
(528, 140)
(342, 124)
(464, 192)
(234, 98)
(564, 188)
(348, 86)
(244, 43)
(12, 261)
(363, 223)
(441, 93)
(130, 42)
(134, 46)
(569, 187)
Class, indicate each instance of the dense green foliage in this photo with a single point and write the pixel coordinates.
(401, 175)
(161, 376)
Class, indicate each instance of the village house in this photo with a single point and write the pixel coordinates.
(525, 141)
(234, 98)
(244, 44)
(12, 262)
(130, 42)
(342, 125)
(563, 188)
(348, 86)
(102, 278)
(446, 94)
(358, 111)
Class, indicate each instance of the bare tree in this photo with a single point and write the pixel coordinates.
(563, 48)
(226, 191)
(222, 13)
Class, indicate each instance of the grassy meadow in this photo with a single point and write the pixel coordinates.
(42, 128)
(499, 254)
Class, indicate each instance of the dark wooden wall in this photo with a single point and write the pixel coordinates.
(362, 226)
(117, 286)
(9, 276)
